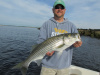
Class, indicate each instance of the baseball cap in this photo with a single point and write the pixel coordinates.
(59, 2)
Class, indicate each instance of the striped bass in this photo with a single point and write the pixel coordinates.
(55, 43)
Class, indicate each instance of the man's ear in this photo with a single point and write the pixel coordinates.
(65, 9)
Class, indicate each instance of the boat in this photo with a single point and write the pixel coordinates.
(75, 70)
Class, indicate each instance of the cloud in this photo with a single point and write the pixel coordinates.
(5, 4)
(34, 7)
(84, 13)
(29, 12)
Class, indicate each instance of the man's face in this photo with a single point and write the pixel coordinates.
(59, 11)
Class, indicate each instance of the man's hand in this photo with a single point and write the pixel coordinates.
(77, 44)
(50, 53)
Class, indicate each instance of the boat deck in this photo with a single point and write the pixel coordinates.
(74, 70)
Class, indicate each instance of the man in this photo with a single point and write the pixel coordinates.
(51, 64)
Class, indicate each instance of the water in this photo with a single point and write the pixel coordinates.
(88, 55)
(16, 44)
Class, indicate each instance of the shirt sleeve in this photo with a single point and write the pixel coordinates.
(42, 34)
(74, 29)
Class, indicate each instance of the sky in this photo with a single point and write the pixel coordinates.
(84, 14)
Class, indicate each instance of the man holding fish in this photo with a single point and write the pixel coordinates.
(57, 38)
(54, 63)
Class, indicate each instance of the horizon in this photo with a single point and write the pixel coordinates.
(39, 27)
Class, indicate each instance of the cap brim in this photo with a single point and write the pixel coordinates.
(57, 4)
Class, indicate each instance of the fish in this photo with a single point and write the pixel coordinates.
(56, 43)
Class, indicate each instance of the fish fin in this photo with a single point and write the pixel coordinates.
(38, 62)
(22, 67)
(61, 48)
(34, 46)
(24, 70)
(18, 66)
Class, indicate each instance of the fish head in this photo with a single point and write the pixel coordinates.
(71, 38)
(78, 37)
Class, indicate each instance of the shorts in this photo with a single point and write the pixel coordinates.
(50, 71)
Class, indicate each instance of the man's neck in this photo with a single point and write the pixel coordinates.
(59, 19)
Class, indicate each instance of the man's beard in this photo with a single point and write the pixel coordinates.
(58, 16)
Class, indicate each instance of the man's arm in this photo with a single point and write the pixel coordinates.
(42, 34)
(42, 37)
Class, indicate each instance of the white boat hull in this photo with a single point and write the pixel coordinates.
(74, 70)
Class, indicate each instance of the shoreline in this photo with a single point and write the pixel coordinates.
(94, 33)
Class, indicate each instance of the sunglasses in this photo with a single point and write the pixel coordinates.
(59, 7)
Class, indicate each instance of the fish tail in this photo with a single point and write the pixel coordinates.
(22, 67)
(24, 70)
